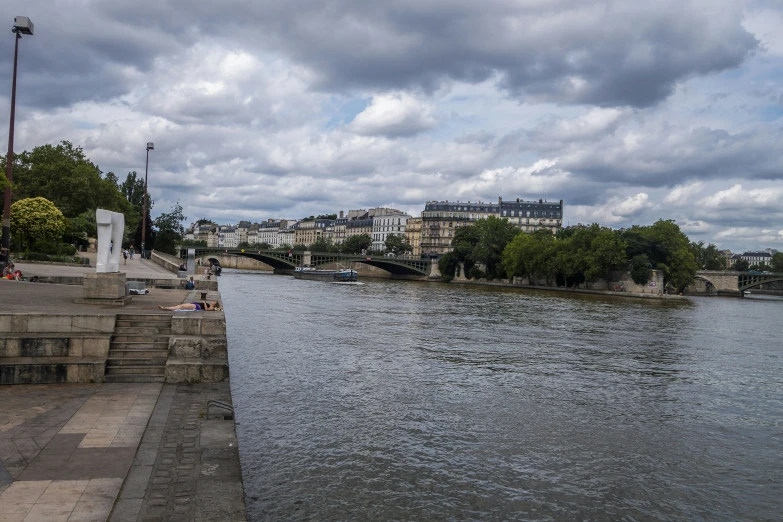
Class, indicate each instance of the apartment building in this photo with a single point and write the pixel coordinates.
(413, 235)
(441, 219)
(390, 221)
(309, 231)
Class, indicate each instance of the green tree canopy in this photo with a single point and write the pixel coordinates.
(397, 244)
(709, 257)
(741, 265)
(777, 263)
(66, 177)
(355, 244)
(170, 230)
(35, 219)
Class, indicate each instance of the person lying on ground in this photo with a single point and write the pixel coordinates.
(198, 306)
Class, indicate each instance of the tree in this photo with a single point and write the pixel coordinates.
(640, 269)
(668, 249)
(170, 229)
(323, 245)
(709, 257)
(741, 265)
(356, 244)
(447, 265)
(66, 177)
(777, 263)
(397, 244)
(36, 218)
(607, 252)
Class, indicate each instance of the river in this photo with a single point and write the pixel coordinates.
(421, 401)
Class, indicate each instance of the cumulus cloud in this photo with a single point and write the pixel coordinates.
(629, 112)
(394, 115)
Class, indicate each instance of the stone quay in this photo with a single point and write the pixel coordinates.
(107, 411)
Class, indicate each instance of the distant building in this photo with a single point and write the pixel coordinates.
(390, 221)
(757, 258)
(441, 219)
(413, 235)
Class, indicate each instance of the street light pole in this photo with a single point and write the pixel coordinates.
(22, 25)
(150, 146)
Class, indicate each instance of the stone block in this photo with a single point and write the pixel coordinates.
(76, 345)
(214, 347)
(214, 372)
(176, 372)
(189, 347)
(13, 323)
(44, 347)
(49, 323)
(93, 323)
(186, 325)
(95, 347)
(213, 326)
(73, 373)
(108, 285)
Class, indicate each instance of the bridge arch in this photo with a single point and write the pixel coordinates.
(746, 283)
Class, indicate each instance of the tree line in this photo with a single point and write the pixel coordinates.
(496, 249)
(64, 176)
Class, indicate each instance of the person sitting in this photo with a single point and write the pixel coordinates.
(9, 269)
(190, 285)
(199, 306)
(18, 275)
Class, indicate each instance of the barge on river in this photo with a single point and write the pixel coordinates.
(343, 275)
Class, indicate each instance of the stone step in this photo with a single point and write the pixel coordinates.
(146, 369)
(144, 317)
(142, 331)
(135, 361)
(131, 377)
(140, 345)
(138, 354)
(140, 324)
(155, 338)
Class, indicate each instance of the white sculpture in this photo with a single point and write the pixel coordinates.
(111, 227)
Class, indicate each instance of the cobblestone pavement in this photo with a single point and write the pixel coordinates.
(66, 448)
(187, 467)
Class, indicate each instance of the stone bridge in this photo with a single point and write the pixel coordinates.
(284, 262)
(735, 283)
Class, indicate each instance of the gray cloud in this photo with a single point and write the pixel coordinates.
(604, 53)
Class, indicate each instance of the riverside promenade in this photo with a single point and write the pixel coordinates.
(125, 451)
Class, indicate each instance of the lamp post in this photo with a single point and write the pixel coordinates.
(150, 146)
(22, 25)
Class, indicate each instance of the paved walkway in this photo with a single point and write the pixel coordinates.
(187, 467)
(120, 452)
(65, 449)
(137, 267)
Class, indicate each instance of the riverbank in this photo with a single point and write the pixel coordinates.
(506, 284)
(71, 444)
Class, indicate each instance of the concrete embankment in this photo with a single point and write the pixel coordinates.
(117, 411)
(507, 284)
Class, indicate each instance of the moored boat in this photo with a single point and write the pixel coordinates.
(339, 276)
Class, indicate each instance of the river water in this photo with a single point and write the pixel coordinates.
(420, 401)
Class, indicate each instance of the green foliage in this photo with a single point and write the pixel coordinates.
(300, 248)
(193, 243)
(668, 250)
(327, 216)
(66, 177)
(476, 273)
(397, 244)
(166, 241)
(355, 244)
(760, 267)
(640, 269)
(83, 225)
(741, 265)
(447, 265)
(484, 242)
(585, 254)
(34, 219)
(777, 262)
(323, 245)
(172, 221)
(54, 248)
(204, 221)
(709, 257)
(38, 256)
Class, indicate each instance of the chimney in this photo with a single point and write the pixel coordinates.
(540, 200)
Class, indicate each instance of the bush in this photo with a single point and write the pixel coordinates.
(39, 256)
(53, 248)
(476, 273)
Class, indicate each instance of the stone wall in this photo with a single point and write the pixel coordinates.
(45, 348)
(245, 263)
(198, 348)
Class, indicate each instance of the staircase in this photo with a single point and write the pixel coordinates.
(139, 349)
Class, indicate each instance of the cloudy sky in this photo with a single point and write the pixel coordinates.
(628, 111)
